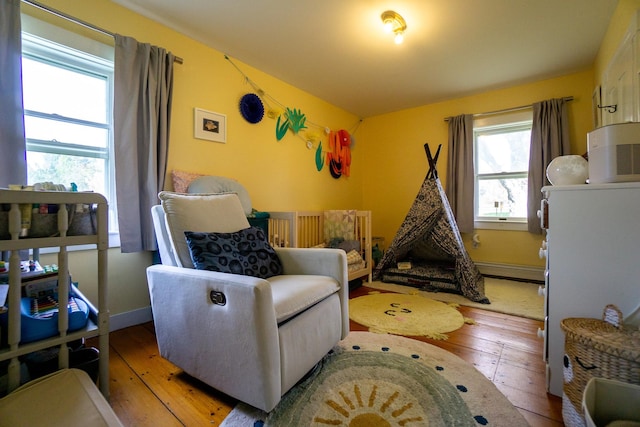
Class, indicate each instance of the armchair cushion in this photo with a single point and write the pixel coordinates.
(220, 213)
(244, 252)
(293, 294)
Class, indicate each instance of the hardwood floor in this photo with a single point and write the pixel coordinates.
(147, 390)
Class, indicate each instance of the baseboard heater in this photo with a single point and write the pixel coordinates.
(512, 271)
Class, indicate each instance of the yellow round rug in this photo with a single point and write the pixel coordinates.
(403, 314)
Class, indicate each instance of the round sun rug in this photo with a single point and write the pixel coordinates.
(387, 380)
(406, 314)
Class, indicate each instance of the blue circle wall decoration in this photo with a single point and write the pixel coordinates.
(251, 108)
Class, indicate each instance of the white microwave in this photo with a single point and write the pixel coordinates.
(614, 153)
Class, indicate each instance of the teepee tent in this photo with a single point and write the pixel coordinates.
(427, 251)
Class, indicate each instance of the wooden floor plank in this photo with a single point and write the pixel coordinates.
(537, 420)
(148, 390)
(191, 401)
(520, 397)
(523, 360)
(133, 402)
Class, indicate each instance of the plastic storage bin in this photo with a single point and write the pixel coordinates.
(605, 401)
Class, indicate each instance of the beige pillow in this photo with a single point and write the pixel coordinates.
(217, 213)
(219, 185)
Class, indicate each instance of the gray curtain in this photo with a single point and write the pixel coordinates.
(549, 139)
(13, 161)
(142, 112)
(460, 171)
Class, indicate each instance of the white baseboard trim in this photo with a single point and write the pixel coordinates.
(522, 272)
(130, 318)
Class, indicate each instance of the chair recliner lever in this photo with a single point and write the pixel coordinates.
(217, 297)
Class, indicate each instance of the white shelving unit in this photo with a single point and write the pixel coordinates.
(98, 325)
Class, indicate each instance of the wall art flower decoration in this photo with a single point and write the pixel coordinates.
(294, 120)
(251, 108)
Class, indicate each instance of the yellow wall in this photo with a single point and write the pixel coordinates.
(279, 175)
(398, 163)
(389, 163)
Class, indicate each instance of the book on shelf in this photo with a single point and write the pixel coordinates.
(41, 286)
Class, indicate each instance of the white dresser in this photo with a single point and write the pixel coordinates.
(593, 259)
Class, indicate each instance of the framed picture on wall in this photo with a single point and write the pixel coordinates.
(210, 126)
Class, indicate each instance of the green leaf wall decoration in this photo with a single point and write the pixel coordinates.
(319, 158)
(281, 129)
(296, 120)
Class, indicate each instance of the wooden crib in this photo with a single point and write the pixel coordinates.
(305, 229)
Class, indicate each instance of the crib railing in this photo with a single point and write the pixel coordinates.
(310, 229)
(305, 229)
(281, 231)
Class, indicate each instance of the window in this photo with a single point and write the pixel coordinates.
(501, 150)
(67, 97)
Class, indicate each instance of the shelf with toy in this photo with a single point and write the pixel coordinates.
(29, 269)
(17, 234)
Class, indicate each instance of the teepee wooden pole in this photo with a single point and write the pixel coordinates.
(433, 172)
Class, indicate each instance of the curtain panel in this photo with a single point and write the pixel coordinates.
(460, 171)
(142, 115)
(549, 139)
(13, 161)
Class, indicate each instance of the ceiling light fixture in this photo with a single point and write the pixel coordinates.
(394, 23)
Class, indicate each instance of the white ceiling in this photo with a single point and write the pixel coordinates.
(337, 50)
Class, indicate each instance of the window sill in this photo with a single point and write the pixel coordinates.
(114, 242)
(501, 225)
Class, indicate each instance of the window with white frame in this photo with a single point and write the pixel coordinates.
(501, 161)
(67, 95)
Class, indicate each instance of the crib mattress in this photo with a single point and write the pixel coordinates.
(78, 402)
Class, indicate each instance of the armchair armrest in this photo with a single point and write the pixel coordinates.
(240, 334)
(320, 261)
(324, 262)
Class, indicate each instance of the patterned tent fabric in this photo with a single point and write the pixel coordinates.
(430, 222)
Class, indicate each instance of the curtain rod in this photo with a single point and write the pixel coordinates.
(79, 22)
(509, 110)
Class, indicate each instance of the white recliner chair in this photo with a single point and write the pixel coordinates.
(248, 337)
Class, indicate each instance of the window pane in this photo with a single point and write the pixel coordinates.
(503, 152)
(65, 133)
(502, 198)
(53, 90)
(87, 173)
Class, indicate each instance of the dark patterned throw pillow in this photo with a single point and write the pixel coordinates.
(245, 252)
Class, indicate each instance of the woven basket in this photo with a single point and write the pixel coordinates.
(46, 225)
(597, 348)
